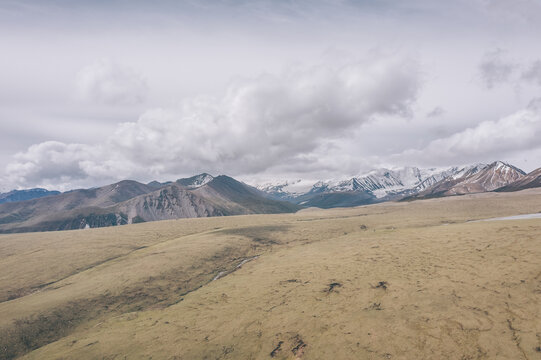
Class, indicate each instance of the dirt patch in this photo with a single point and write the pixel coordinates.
(298, 349)
(381, 285)
(332, 287)
(223, 273)
(263, 235)
(276, 349)
(289, 342)
(375, 306)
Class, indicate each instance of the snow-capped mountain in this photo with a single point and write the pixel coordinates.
(476, 178)
(376, 185)
(391, 184)
(388, 182)
(196, 181)
(452, 173)
(286, 190)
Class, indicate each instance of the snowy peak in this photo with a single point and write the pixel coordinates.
(494, 176)
(379, 183)
(195, 181)
(286, 190)
(506, 169)
(392, 182)
(397, 183)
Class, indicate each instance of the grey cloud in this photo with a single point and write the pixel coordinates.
(109, 83)
(533, 73)
(495, 68)
(436, 112)
(527, 11)
(259, 123)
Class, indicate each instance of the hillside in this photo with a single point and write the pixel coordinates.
(413, 280)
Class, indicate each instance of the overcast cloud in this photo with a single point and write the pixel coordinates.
(259, 123)
(94, 92)
(109, 83)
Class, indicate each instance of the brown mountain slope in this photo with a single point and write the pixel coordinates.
(532, 180)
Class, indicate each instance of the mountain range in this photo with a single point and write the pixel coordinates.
(203, 195)
(129, 202)
(397, 184)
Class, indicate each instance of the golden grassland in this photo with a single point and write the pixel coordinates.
(413, 280)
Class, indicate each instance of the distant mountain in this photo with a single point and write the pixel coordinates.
(203, 195)
(375, 186)
(327, 200)
(131, 202)
(22, 195)
(531, 180)
(395, 184)
(384, 183)
(474, 179)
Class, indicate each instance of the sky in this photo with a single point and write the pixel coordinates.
(92, 92)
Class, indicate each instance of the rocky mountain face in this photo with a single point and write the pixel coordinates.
(220, 196)
(131, 202)
(22, 195)
(531, 180)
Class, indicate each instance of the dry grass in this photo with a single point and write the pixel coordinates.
(396, 280)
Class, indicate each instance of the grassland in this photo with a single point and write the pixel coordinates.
(416, 280)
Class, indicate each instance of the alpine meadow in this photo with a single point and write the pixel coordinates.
(261, 179)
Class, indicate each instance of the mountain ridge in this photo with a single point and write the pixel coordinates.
(204, 195)
(26, 194)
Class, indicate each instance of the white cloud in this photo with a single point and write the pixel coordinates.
(520, 131)
(259, 123)
(106, 82)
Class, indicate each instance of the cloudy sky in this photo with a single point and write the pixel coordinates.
(96, 91)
